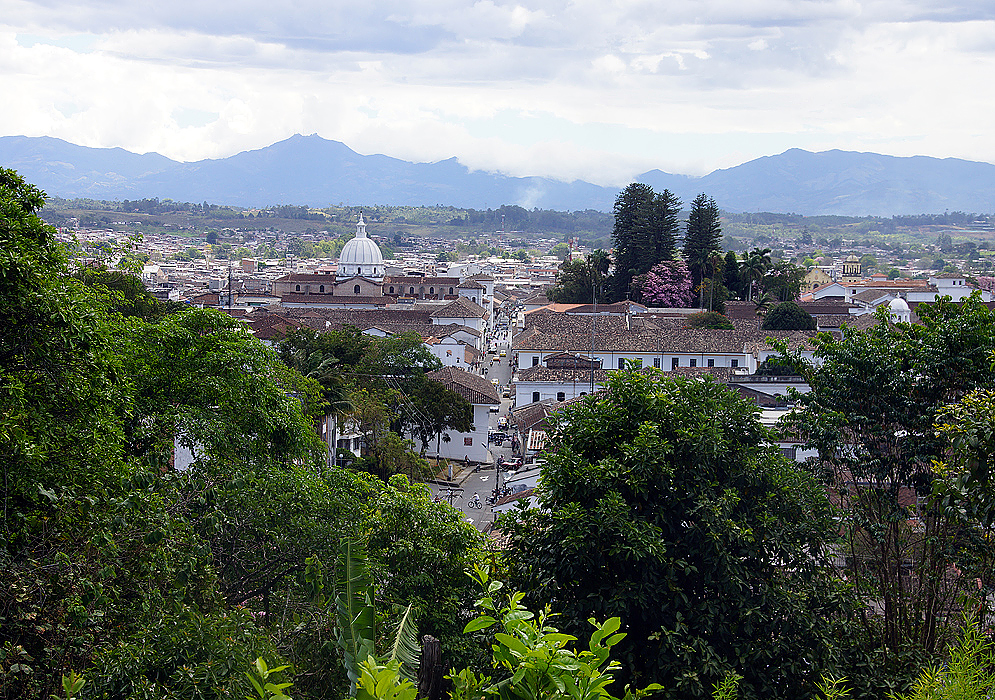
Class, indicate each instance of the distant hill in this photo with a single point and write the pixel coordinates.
(309, 170)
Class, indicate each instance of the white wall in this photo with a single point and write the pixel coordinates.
(455, 448)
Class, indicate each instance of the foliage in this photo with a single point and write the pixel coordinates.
(967, 472)
(266, 689)
(535, 657)
(645, 233)
(667, 284)
(703, 238)
(159, 581)
(968, 675)
(870, 414)
(731, 277)
(788, 316)
(662, 503)
(783, 281)
(755, 266)
(577, 280)
(709, 319)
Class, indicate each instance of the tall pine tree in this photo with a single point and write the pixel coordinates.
(704, 232)
(645, 233)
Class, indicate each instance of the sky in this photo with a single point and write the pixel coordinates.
(598, 90)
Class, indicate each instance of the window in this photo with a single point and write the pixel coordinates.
(535, 396)
(421, 291)
(431, 290)
(561, 396)
(639, 363)
(711, 362)
(674, 362)
(298, 288)
(734, 363)
(411, 291)
(450, 291)
(621, 363)
(355, 290)
(535, 361)
(321, 288)
(656, 362)
(391, 290)
(692, 363)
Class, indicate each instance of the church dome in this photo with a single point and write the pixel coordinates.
(361, 256)
(899, 305)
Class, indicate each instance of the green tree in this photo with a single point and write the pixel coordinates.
(709, 319)
(731, 277)
(703, 238)
(664, 503)
(755, 266)
(788, 316)
(870, 413)
(645, 232)
(577, 279)
(560, 250)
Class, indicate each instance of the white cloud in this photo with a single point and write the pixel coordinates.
(583, 88)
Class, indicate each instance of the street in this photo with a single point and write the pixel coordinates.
(482, 482)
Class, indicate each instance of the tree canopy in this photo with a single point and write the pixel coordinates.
(645, 233)
(788, 316)
(663, 503)
(157, 576)
(874, 398)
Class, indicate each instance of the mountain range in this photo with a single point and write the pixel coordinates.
(312, 171)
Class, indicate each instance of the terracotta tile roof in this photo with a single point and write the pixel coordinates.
(471, 387)
(470, 284)
(460, 308)
(540, 373)
(305, 277)
(532, 415)
(335, 299)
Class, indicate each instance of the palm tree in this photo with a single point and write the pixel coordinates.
(755, 266)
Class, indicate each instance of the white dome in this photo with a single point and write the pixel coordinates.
(361, 251)
(361, 256)
(898, 305)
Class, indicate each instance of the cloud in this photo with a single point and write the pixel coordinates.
(600, 91)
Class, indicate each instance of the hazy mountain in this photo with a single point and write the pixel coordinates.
(317, 172)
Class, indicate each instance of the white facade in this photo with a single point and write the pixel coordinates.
(472, 445)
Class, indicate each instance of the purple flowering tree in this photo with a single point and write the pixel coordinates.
(668, 283)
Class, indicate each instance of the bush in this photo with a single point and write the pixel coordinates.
(788, 316)
(710, 319)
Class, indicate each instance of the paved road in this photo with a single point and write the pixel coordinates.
(482, 482)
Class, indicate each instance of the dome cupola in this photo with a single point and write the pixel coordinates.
(361, 256)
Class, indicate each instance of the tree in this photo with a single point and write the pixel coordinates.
(703, 238)
(755, 266)
(870, 413)
(730, 274)
(667, 284)
(664, 503)
(788, 316)
(709, 319)
(577, 279)
(784, 281)
(644, 233)
(560, 250)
